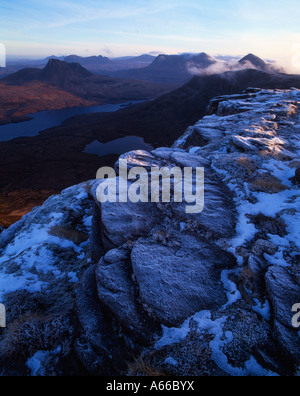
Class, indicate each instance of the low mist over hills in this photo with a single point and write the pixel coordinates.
(163, 68)
(180, 68)
(169, 68)
(254, 61)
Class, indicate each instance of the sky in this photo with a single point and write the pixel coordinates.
(35, 28)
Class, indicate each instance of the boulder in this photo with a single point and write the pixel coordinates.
(123, 222)
(177, 280)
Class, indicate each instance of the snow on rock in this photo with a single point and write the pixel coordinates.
(185, 294)
(202, 283)
(46, 249)
(185, 274)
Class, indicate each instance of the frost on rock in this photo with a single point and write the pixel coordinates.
(50, 245)
(174, 293)
(42, 259)
(251, 142)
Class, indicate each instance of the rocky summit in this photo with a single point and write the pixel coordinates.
(148, 289)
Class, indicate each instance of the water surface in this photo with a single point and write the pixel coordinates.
(117, 146)
(52, 118)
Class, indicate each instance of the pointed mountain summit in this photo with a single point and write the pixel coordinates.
(257, 62)
(58, 71)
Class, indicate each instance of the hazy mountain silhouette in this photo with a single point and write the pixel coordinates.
(168, 68)
(56, 72)
(92, 63)
(95, 64)
(255, 61)
(72, 77)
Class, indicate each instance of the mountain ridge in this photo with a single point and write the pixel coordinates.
(159, 122)
(74, 78)
(121, 280)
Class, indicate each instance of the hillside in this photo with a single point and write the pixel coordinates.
(19, 101)
(60, 150)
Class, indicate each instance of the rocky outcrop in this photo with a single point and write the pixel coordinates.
(171, 292)
(222, 282)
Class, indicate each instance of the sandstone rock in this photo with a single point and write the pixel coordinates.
(139, 158)
(284, 292)
(218, 217)
(262, 246)
(186, 160)
(289, 341)
(116, 255)
(166, 152)
(124, 222)
(97, 346)
(117, 292)
(177, 281)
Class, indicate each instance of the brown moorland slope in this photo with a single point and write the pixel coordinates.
(31, 169)
(18, 101)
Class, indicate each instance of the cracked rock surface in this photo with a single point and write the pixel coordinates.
(152, 289)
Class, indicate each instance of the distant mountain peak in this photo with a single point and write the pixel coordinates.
(254, 60)
(202, 59)
(62, 67)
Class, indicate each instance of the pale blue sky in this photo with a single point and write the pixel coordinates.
(271, 29)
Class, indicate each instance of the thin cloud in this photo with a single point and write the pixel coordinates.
(67, 13)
